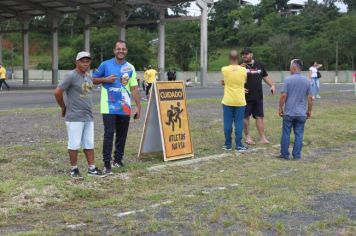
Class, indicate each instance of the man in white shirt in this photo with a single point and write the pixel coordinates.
(313, 74)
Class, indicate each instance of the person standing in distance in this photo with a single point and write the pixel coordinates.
(174, 75)
(254, 95)
(77, 110)
(295, 106)
(313, 74)
(150, 79)
(118, 79)
(169, 75)
(144, 80)
(3, 77)
(234, 101)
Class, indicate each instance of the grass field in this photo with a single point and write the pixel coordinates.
(219, 60)
(232, 194)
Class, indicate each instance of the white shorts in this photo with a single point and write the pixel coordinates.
(80, 134)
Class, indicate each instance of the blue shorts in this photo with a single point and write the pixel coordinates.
(80, 134)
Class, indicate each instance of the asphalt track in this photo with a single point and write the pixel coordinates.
(33, 98)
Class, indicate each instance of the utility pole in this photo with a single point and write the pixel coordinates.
(337, 61)
(204, 5)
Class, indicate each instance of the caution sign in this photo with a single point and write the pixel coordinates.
(166, 125)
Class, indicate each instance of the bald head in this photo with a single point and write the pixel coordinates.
(233, 56)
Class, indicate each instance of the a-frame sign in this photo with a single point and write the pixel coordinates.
(166, 126)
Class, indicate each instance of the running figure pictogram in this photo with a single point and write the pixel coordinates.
(173, 115)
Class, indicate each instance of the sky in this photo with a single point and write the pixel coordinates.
(195, 11)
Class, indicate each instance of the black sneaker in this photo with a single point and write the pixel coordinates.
(107, 168)
(107, 171)
(96, 172)
(75, 174)
(117, 164)
(282, 157)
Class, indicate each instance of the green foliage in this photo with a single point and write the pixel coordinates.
(102, 44)
(11, 59)
(67, 58)
(351, 5)
(275, 34)
(182, 42)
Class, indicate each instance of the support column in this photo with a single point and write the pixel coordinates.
(0, 48)
(55, 51)
(86, 33)
(161, 45)
(122, 26)
(337, 62)
(25, 47)
(203, 5)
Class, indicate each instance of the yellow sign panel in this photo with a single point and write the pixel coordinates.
(174, 120)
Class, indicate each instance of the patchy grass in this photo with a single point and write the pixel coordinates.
(251, 193)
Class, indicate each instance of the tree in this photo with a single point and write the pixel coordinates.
(180, 9)
(343, 31)
(182, 42)
(320, 49)
(220, 12)
(351, 5)
(103, 40)
(284, 54)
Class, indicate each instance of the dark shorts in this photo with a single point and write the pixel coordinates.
(254, 108)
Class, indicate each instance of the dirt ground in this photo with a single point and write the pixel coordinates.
(231, 196)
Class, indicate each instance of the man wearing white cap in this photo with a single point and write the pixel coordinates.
(78, 85)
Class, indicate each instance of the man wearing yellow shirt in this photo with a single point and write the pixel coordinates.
(3, 77)
(150, 78)
(234, 101)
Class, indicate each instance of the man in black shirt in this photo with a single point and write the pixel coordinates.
(170, 75)
(174, 75)
(254, 94)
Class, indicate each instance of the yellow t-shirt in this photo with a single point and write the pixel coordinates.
(145, 76)
(2, 73)
(151, 75)
(234, 90)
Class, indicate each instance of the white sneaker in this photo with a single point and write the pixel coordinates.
(318, 96)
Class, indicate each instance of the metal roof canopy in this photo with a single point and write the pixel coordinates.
(24, 10)
(21, 9)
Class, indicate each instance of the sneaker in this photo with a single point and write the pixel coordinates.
(241, 148)
(75, 174)
(107, 171)
(117, 164)
(107, 164)
(226, 148)
(318, 96)
(96, 172)
(282, 157)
